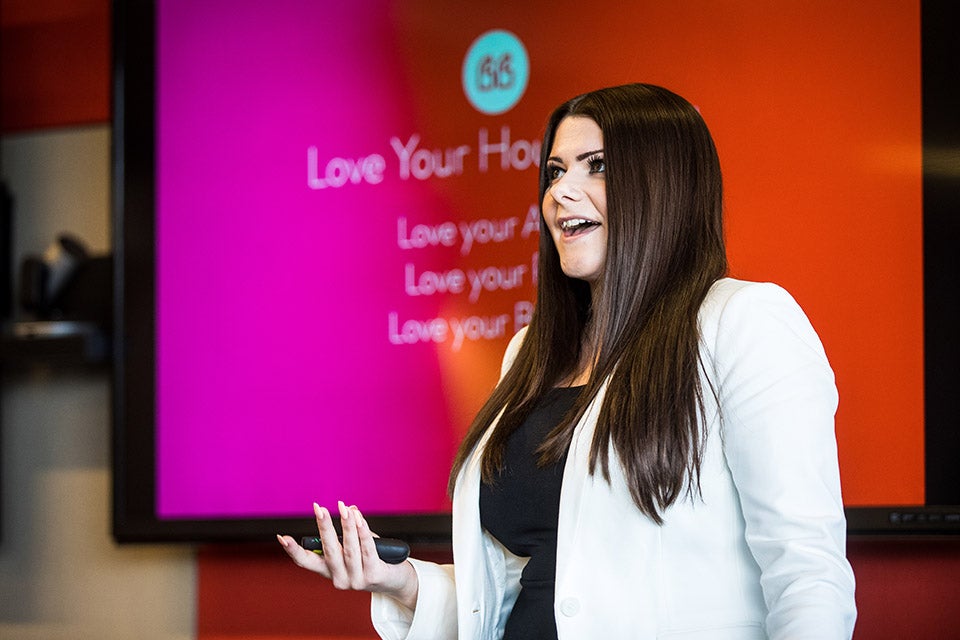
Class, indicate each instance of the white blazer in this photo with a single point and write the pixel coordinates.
(760, 555)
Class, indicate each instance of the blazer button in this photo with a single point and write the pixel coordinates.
(570, 607)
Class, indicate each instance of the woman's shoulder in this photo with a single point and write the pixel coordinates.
(742, 295)
(726, 288)
(756, 312)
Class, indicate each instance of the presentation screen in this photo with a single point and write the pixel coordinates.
(327, 229)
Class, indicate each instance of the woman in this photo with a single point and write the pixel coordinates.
(658, 459)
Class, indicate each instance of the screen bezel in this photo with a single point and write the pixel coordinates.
(940, 98)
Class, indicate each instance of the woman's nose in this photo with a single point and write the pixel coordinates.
(565, 188)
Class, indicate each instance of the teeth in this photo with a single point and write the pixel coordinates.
(573, 223)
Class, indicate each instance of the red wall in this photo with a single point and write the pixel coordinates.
(54, 71)
(905, 590)
(54, 63)
(256, 593)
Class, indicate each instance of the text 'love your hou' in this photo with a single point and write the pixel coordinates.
(420, 162)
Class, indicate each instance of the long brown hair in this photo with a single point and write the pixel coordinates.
(665, 249)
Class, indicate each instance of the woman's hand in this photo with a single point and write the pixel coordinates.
(355, 563)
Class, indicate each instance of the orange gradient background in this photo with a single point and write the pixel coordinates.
(815, 108)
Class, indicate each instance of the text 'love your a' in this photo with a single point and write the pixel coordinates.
(466, 233)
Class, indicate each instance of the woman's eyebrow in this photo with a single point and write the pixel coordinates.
(579, 158)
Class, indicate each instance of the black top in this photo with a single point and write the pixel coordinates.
(521, 510)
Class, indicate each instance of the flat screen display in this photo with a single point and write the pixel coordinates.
(327, 226)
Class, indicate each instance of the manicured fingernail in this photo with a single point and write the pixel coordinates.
(344, 512)
(282, 541)
(318, 511)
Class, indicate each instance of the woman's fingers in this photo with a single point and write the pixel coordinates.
(303, 558)
(368, 547)
(350, 518)
(332, 550)
(350, 562)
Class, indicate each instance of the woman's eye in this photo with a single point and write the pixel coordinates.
(554, 172)
(596, 164)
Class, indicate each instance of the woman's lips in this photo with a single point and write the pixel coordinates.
(575, 226)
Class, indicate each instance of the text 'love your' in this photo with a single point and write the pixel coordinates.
(465, 233)
(420, 162)
(457, 330)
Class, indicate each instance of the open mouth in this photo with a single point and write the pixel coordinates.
(575, 226)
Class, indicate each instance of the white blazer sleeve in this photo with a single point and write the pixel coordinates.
(435, 617)
(777, 402)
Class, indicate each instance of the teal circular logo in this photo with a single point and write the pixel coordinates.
(495, 72)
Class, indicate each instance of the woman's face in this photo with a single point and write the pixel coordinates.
(575, 203)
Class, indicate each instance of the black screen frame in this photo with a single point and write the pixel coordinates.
(940, 515)
(133, 202)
